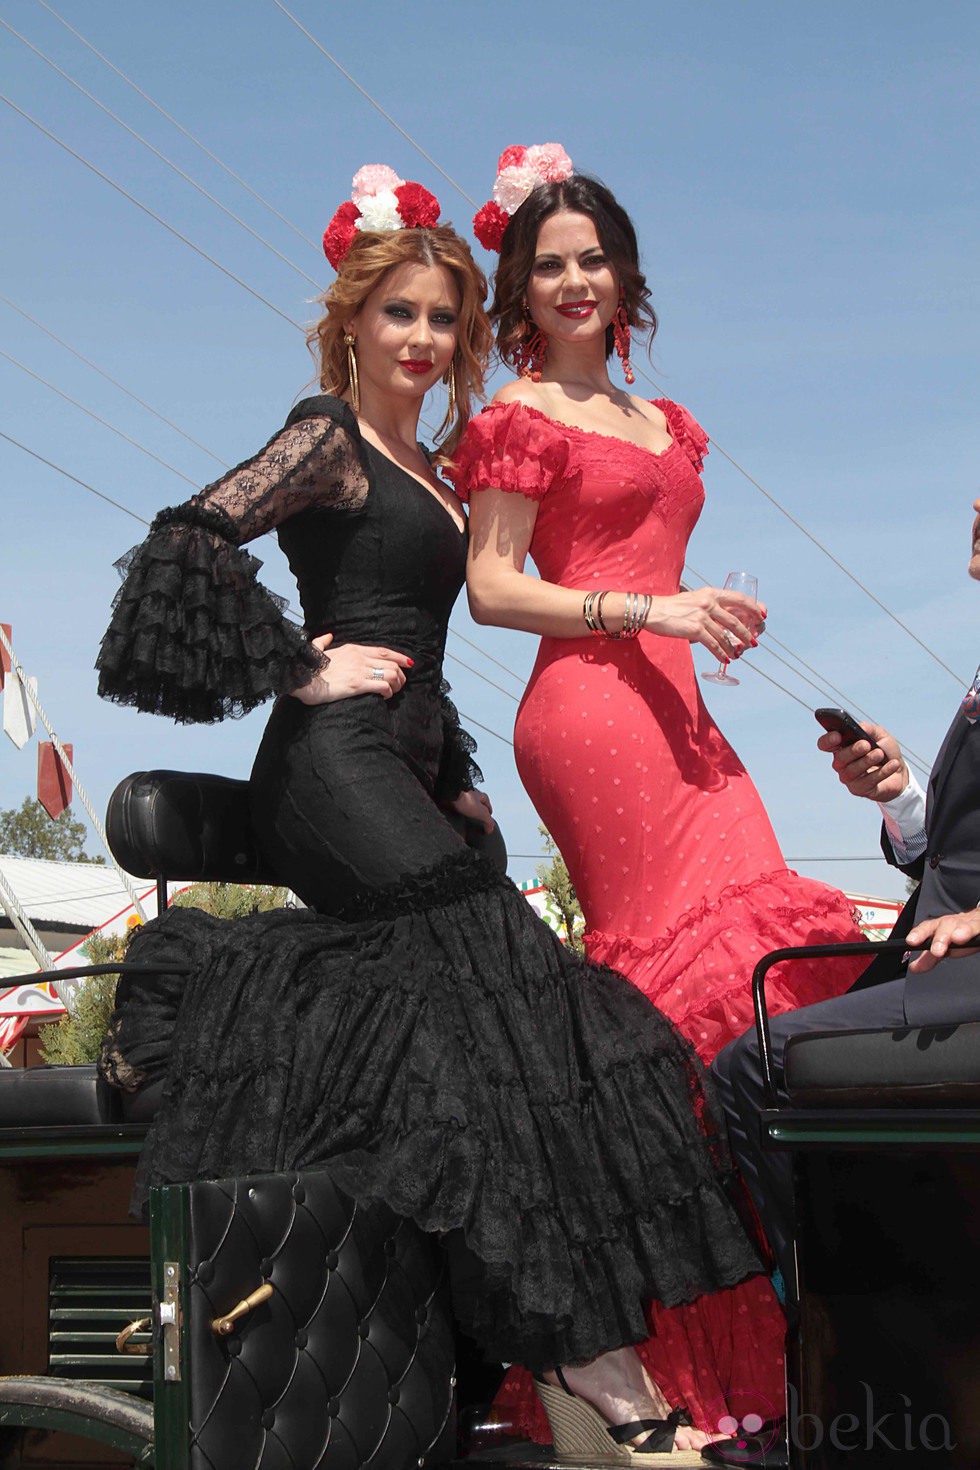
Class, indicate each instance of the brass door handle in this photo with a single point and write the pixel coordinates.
(135, 1349)
(223, 1326)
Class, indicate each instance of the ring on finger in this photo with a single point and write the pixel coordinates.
(376, 674)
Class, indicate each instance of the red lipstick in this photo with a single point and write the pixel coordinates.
(577, 308)
(419, 365)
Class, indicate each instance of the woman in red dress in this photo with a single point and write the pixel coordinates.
(667, 841)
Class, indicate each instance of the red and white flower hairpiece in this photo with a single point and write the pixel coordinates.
(519, 171)
(380, 200)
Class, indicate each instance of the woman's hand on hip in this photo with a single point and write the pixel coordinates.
(475, 806)
(354, 669)
(725, 623)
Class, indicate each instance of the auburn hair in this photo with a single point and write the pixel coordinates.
(370, 258)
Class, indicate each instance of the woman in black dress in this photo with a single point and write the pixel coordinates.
(417, 1028)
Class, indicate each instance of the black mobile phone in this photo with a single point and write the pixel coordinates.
(845, 725)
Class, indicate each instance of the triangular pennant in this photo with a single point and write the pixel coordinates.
(53, 780)
(4, 655)
(19, 719)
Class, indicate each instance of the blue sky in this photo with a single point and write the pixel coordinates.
(804, 185)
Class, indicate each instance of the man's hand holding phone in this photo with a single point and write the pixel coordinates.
(867, 759)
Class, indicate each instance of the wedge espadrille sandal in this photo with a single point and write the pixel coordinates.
(582, 1437)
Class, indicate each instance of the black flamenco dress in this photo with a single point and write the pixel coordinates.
(417, 1029)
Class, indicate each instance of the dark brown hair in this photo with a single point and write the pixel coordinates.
(371, 256)
(579, 195)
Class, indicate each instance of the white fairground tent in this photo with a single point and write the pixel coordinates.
(64, 904)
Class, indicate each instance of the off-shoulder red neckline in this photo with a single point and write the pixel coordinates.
(661, 403)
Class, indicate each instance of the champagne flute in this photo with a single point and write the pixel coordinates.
(746, 583)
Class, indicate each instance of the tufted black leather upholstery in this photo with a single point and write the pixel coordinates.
(350, 1363)
(185, 824)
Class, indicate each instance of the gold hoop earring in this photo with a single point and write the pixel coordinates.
(451, 384)
(350, 342)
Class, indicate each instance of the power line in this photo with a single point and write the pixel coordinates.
(661, 392)
(146, 210)
(816, 542)
(375, 104)
(296, 614)
(180, 128)
(519, 677)
(68, 476)
(418, 147)
(506, 692)
(104, 422)
(162, 156)
(114, 381)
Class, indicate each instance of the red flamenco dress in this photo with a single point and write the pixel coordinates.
(666, 839)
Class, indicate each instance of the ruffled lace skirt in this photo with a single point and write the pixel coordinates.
(444, 1053)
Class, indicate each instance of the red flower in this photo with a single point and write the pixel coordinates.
(340, 232)
(418, 208)
(511, 157)
(489, 224)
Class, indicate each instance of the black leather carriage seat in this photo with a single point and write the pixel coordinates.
(57, 1096)
(185, 824)
(164, 825)
(911, 1066)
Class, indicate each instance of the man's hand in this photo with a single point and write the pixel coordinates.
(873, 768)
(940, 934)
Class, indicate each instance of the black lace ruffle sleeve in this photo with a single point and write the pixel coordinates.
(194, 635)
(458, 771)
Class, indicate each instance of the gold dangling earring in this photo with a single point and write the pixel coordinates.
(350, 342)
(451, 384)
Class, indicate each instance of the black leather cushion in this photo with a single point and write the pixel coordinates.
(44, 1097)
(187, 824)
(183, 824)
(350, 1361)
(911, 1066)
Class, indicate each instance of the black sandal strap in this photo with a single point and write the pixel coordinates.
(561, 1379)
(659, 1432)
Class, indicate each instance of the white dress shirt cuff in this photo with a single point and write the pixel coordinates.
(905, 822)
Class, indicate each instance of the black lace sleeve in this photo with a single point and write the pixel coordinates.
(194, 635)
(458, 771)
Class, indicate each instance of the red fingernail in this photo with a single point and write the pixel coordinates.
(755, 642)
(411, 663)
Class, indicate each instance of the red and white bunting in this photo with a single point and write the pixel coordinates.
(53, 780)
(4, 655)
(19, 719)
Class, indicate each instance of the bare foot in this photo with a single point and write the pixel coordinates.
(618, 1385)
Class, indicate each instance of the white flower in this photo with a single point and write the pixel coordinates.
(379, 211)
(512, 187)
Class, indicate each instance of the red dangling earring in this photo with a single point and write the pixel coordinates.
(531, 352)
(621, 338)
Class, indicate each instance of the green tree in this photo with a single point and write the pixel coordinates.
(77, 1035)
(554, 878)
(28, 831)
(232, 900)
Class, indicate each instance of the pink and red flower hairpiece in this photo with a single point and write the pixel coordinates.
(380, 200)
(519, 171)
